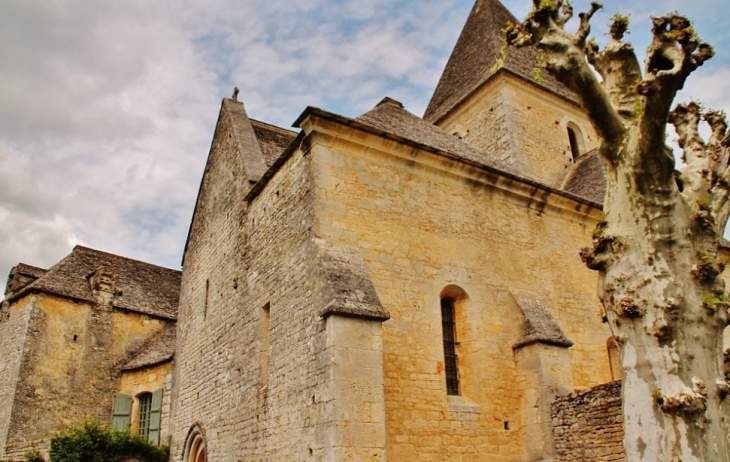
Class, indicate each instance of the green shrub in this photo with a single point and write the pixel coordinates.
(33, 456)
(95, 442)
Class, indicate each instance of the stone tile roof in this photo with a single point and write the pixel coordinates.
(20, 276)
(141, 287)
(159, 350)
(587, 177)
(272, 140)
(478, 49)
(30, 270)
(390, 116)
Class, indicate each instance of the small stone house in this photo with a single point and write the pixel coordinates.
(93, 333)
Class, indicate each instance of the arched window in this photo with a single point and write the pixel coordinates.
(454, 306)
(448, 326)
(575, 138)
(195, 446)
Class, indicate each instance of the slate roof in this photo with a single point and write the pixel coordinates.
(141, 287)
(160, 350)
(272, 140)
(475, 54)
(587, 177)
(390, 116)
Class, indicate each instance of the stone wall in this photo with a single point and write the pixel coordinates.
(250, 362)
(70, 368)
(522, 125)
(265, 373)
(427, 226)
(588, 425)
(277, 356)
(13, 329)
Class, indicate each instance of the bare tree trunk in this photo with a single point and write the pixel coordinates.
(657, 250)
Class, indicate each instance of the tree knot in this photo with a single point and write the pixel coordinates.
(688, 403)
(630, 308)
(722, 387)
(707, 269)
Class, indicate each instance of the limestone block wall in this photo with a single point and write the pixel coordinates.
(70, 367)
(589, 425)
(425, 223)
(251, 368)
(543, 372)
(216, 346)
(13, 331)
(357, 405)
(524, 126)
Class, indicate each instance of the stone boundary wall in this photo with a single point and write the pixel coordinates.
(14, 452)
(588, 425)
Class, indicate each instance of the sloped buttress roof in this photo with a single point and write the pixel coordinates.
(159, 350)
(141, 287)
(473, 60)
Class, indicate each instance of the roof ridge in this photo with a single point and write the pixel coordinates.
(273, 127)
(96, 251)
(32, 267)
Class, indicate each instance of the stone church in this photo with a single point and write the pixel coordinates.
(385, 287)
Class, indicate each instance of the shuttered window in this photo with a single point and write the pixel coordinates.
(121, 412)
(155, 417)
(448, 326)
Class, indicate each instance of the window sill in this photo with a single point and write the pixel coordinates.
(462, 404)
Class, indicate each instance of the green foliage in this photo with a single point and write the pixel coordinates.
(538, 74)
(638, 106)
(541, 63)
(715, 301)
(33, 456)
(502, 56)
(548, 5)
(95, 442)
(620, 19)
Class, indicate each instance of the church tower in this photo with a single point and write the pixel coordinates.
(499, 100)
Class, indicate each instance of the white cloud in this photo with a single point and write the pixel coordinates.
(107, 108)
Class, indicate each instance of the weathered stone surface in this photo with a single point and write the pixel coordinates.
(588, 425)
(539, 325)
(346, 286)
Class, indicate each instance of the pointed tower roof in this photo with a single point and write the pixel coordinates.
(475, 54)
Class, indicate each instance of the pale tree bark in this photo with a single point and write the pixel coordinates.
(657, 250)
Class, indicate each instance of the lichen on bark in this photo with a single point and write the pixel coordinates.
(657, 252)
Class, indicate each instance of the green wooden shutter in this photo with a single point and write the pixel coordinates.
(155, 416)
(121, 412)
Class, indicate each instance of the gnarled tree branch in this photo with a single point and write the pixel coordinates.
(566, 59)
(675, 52)
(619, 68)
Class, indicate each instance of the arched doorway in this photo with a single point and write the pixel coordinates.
(195, 446)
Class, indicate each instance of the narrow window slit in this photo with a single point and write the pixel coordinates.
(448, 326)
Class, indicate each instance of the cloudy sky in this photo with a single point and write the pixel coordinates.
(107, 108)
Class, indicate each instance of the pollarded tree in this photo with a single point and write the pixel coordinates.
(657, 250)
